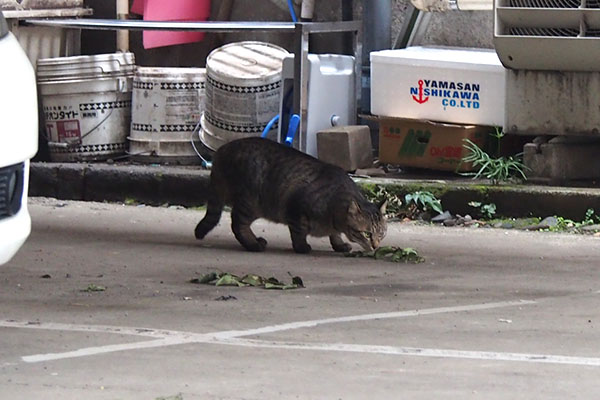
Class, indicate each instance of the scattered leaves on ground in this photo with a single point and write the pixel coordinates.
(94, 288)
(226, 298)
(176, 397)
(228, 279)
(390, 253)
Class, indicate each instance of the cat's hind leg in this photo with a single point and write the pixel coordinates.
(338, 244)
(212, 216)
(241, 219)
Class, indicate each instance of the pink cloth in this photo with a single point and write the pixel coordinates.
(171, 10)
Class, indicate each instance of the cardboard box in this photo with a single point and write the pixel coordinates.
(457, 85)
(427, 144)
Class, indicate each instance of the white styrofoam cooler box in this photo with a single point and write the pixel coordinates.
(446, 84)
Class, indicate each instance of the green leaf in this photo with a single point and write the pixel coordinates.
(229, 280)
(280, 286)
(383, 251)
(253, 280)
(207, 278)
(94, 288)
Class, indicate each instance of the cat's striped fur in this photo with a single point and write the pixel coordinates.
(259, 178)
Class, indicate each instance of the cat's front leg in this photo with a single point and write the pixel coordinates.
(240, 225)
(338, 244)
(298, 232)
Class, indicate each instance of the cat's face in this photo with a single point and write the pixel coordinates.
(366, 225)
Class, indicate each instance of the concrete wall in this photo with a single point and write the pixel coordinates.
(471, 29)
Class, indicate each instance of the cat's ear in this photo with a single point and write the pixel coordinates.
(353, 208)
(383, 206)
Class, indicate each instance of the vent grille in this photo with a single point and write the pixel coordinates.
(11, 189)
(548, 34)
(555, 3)
(565, 32)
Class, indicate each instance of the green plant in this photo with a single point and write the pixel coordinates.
(565, 224)
(591, 217)
(377, 194)
(486, 210)
(424, 201)
(499, 169)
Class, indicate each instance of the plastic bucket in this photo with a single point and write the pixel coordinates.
(86, 102)
(243, 83)
(166, 107)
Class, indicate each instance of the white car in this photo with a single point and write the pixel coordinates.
(18, 141)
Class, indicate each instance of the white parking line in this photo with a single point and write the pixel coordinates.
(170, 338)
(417, 352)
(370, 317)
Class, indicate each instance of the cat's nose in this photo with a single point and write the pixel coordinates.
(374, 243)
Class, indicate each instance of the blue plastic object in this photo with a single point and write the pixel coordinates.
(292, 12)
(270, 124)
(292, 128)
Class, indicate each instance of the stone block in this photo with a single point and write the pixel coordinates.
(348, 147)
(563, 159)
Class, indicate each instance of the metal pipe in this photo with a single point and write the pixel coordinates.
(122, 35)
(377, 35)
(136, 25)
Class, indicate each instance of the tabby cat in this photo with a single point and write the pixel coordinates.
(260, 178)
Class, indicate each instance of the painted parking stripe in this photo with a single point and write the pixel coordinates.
(170, 338)
(371, 317)
(416, 352)
(54, 326)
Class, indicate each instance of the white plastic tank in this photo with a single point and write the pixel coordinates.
(331, 96)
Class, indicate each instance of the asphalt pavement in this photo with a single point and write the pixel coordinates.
(98, 304)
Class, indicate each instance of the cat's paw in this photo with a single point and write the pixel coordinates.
(257, 246)
(200, 231)
(303, 248)
(342, 248)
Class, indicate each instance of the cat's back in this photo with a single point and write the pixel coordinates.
(255, 157)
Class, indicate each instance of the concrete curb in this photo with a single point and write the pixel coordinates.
(187, 186)
(150, 184)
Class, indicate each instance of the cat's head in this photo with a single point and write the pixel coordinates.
(366, 224)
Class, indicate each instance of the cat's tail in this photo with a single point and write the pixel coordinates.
(212, 216)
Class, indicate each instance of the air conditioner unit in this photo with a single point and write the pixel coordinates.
(559, 35)
(552, 51)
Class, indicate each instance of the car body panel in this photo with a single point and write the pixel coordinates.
(18, 139)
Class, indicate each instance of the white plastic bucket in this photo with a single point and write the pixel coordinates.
(87, 105)
(243, 83)
(166, 107)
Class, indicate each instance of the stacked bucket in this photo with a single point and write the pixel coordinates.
(243, 83)
(86, 101)
(167, 104)
(102, 107)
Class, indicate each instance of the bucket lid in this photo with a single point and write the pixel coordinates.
(169, 72)
(246, 61)
(85, 67)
